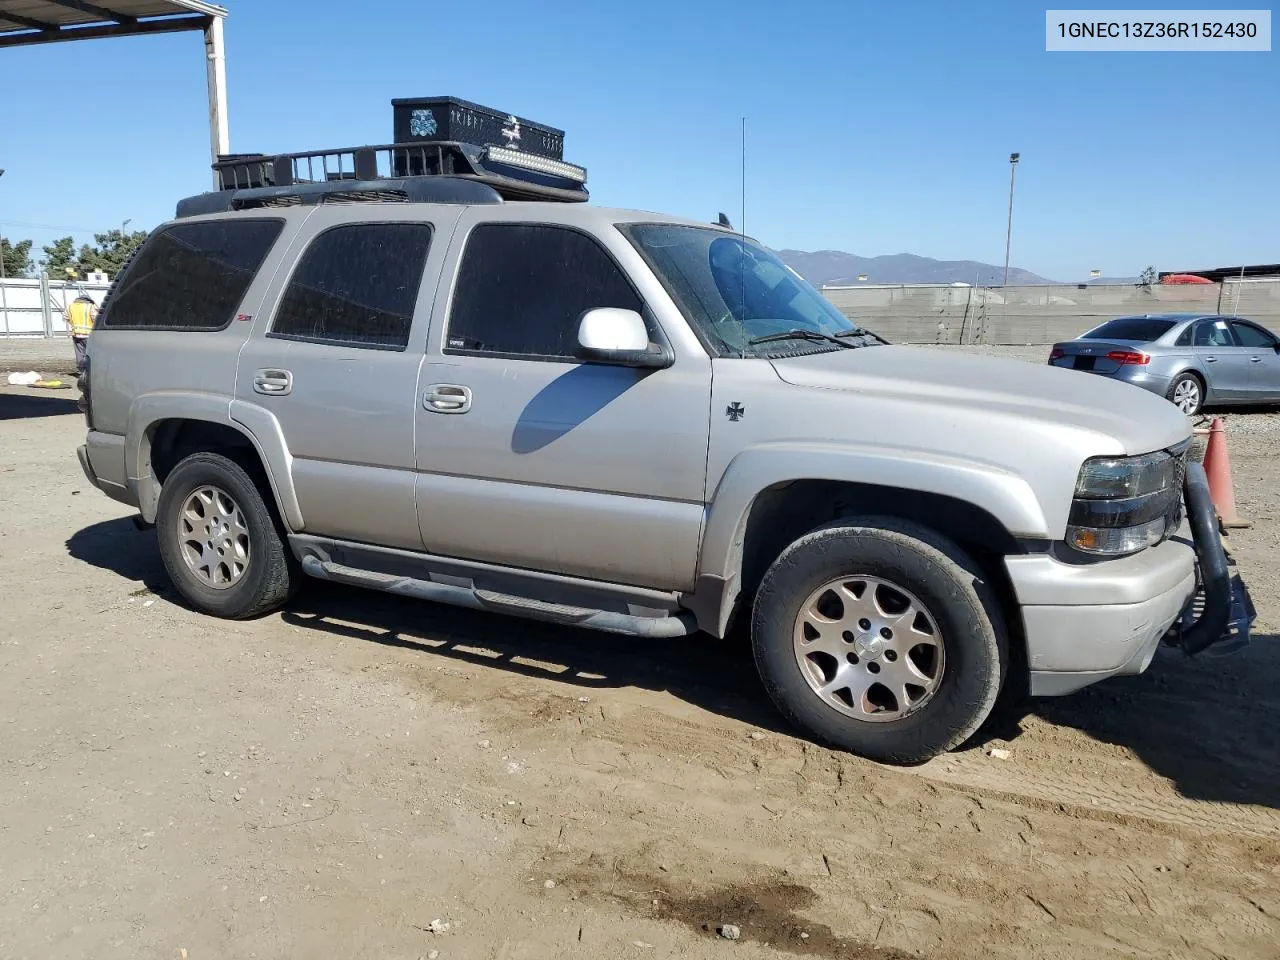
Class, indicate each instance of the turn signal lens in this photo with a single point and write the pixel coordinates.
(1057, 353)
(1116, 542)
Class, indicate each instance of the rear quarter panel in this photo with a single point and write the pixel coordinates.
(1168, 362)
(130, 364)
(139, 377)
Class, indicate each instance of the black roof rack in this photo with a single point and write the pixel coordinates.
(424, 172)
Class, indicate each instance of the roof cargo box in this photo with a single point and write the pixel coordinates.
(428, 119)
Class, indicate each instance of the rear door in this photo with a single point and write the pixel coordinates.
(1264, 361)
(1222, 358)
(335, 360)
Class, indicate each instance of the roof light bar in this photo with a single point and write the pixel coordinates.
(529, 161)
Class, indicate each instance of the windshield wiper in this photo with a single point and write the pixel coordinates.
(800, 334)
(867, 336)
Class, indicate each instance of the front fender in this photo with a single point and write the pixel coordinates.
(1003, 494)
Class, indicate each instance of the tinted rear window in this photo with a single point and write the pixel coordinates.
(1143, 329)
(191, 276)
(357, 285)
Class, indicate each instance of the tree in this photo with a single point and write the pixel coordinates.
(112, 249)
(58, 256)
(1147, 278)
(15, 257)
(108, 254)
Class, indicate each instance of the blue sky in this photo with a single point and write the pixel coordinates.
(873, 128)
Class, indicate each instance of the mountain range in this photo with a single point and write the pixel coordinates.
(836, 267)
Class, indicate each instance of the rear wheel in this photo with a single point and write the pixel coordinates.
(219, 539)
(879, 637)
(1186, 393)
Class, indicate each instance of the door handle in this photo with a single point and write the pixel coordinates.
(447, 398)
(1255, 359)
(1210, 359)
(273, 383)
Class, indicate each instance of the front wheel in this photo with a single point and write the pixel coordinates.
(1186, 392)
(879, 637)
(219, 540)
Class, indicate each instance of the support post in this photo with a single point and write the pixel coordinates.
(215, 55)
(46, 305)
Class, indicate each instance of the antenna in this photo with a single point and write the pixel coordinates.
(742, 232)
(744, 176)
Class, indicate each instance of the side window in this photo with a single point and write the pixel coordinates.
(190, 276)
(356, 285)
(1251, 336)
(1184, 338)
(522, 288)
(1213, 333)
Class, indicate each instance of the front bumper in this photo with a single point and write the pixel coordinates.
(1087, 622)
(1222, 623)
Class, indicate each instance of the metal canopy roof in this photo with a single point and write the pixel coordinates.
(25, 23)
(28, 22)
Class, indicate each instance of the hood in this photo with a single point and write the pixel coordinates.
(1137, 419)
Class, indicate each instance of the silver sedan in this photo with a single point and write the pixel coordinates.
(1193, 359)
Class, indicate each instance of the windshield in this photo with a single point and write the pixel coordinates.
(1142, 329)
(733, 291)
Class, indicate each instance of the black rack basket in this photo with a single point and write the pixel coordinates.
(384, 168)
(444, 119)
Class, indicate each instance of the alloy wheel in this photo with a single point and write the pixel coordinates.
(213, 537)
(869, 648)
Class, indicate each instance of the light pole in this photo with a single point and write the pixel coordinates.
(124, 226)
(1008, 233)
(6, 316)
(4, 295)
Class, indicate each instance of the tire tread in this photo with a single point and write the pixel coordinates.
(273, 571)
(959, 582)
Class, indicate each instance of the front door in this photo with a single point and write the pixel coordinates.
(531, 458)
(338, 368)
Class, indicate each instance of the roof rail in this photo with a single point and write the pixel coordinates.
(428, 172)
(398, 190)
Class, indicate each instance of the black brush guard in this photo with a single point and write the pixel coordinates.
(1221, 614)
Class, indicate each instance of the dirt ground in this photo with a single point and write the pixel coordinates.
(364, 777)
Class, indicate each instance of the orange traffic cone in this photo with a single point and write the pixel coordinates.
(1217, 466)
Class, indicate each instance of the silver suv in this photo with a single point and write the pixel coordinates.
(439, 386)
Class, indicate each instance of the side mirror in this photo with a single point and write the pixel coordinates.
(616, 336)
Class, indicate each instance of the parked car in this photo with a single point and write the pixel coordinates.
(440, 388)
(1191, 359)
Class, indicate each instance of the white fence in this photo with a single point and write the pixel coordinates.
(33, 308)
(906, 314)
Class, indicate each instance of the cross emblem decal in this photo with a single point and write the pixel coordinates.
(735, 411)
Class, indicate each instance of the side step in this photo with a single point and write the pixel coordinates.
(675, 625)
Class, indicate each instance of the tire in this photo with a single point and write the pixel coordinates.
(961, 656)
(1186, 392)
(255, 572)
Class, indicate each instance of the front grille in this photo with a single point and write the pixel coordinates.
(1178, 509)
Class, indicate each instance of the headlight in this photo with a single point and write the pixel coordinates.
(1125, 504)
(1103, 478)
